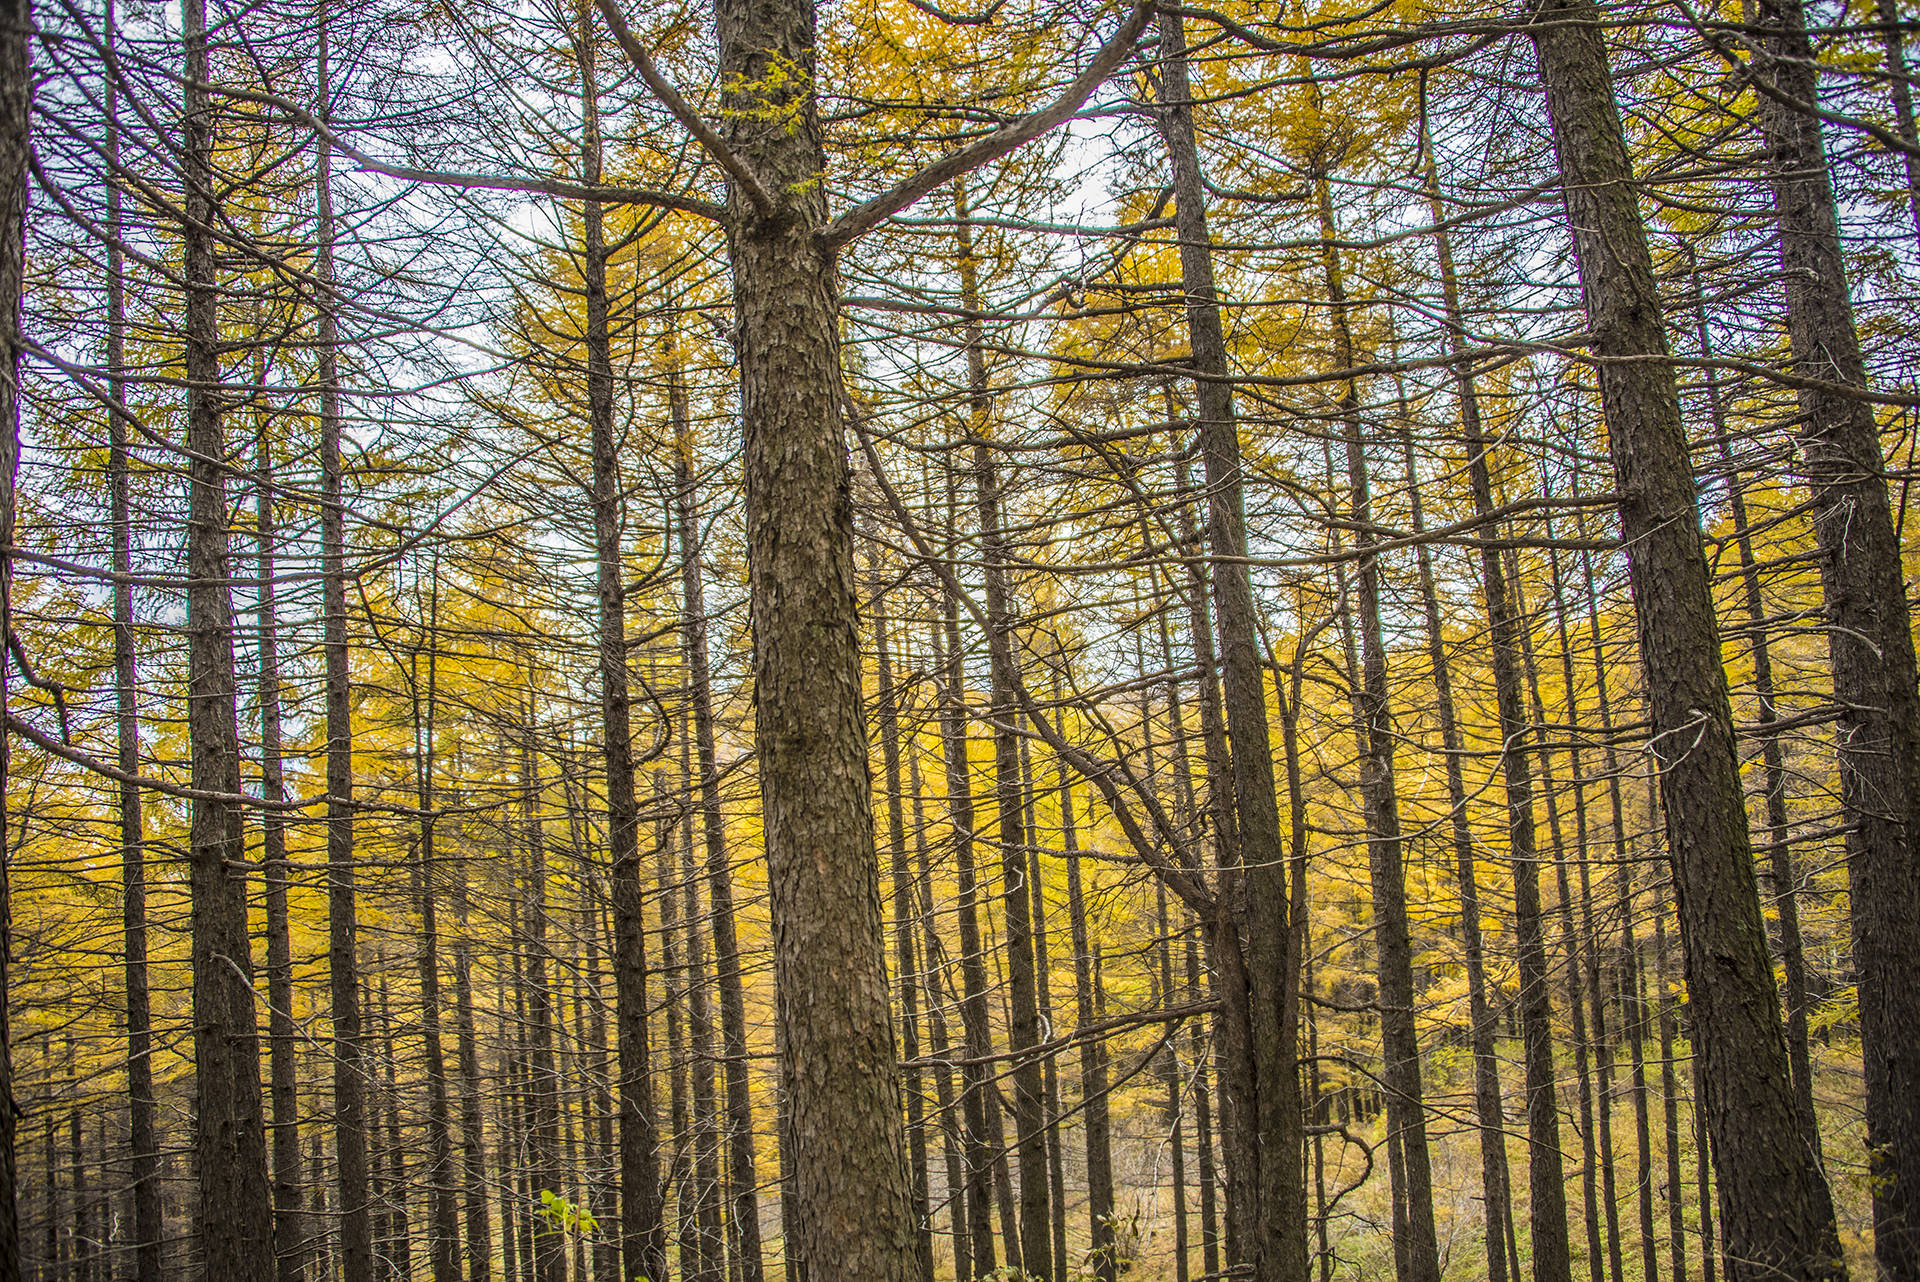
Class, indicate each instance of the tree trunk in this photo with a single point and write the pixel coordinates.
(234, 1219)
(473, 1153)
(1775, 1206)
(143, 1175)
(1023, 1028)
(978, 1095)
(742, 1194)
(1093, 1051)
(443, 1227)
(343, 971)
(839, 1067)
(1406, 1115)
(1786, 882)
(1495, 1187)
(289, 1226)
(1870, 633)
(907, 972)
(643, 1242)
(543, 1102)
(1263, 1104)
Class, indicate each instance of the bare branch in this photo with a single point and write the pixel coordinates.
(864, 217)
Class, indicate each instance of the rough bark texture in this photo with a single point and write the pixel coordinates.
(1776, 1210)
(852, 1214)
(1870, 633)
(234, 1216)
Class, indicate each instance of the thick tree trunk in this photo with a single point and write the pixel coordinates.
(852, 1210)
(1870, 633)
(1777, 1212)
(234, 1218)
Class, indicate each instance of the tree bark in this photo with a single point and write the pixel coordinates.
(289, 1225)
(234, 1217)
(1870, 631)
(643, 1243)
(343, 971)
(1023, 1026)
(1777, 1212)
(742, 1195)
(907, 972)
(849, 1153)
(1262, 1095)
(143, 1175)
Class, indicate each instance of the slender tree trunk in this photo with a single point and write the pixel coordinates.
(1170, 1080)
(443, 1227)
(1552, 1258)
(1495, 1186)
(1093, 1051)
(234, 1218)
(907, 972)
(953, 1143)
(1043, 996)
(1670, 1100)
(643, 1242)
(349, 1052)
(742, 1194)
(543, 1104)
(1777, 1212)
(1870, 632)
(1899, 86)
(1023, 1028)
(978, 1099)
(143, 1175)
(702, 1245)
(289, 1226)
(1263, 1104)
(473, 1153)
(1406, 1116)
